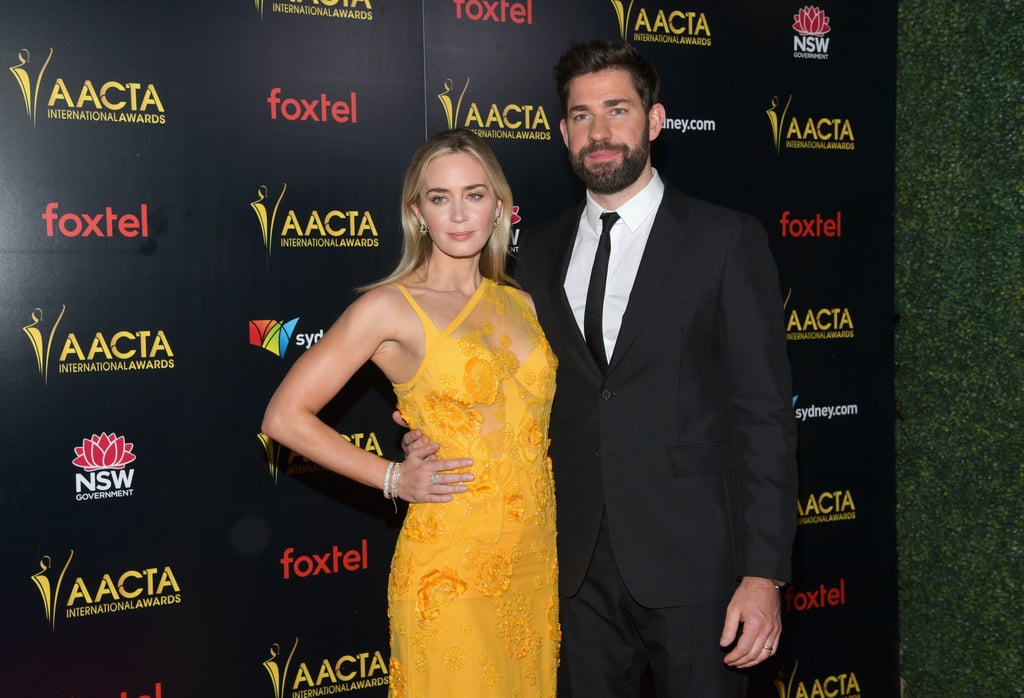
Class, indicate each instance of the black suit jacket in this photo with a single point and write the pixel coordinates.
(687, 443)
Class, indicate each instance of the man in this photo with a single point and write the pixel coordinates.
(672, 434)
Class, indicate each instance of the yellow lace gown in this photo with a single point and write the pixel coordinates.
(472, 596)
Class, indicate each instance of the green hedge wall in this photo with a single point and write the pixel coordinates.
(959, 333)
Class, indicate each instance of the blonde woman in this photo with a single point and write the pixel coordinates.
(472, 594)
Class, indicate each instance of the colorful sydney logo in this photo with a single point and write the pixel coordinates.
(272, 335)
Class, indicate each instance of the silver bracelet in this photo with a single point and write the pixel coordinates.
(387, 480)
(395, 474)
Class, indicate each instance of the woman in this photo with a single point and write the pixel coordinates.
(472, 594)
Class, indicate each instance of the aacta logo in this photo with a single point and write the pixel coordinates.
(494, 11)
(332, 562)
(332, 9)
(319, 109)
(663, 26)
(117, 101)
(818, 323)
(317, 228)
(831, 686)
(295, 463)
(826, 507)
(111, 592)
(104, 458)
(106, 224)
(105, 352)
(810, 133)
(811, 24)
(822, 597)
(817, 227)
(494, 121)
(326, 676)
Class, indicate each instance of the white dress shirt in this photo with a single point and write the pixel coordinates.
(628, 240)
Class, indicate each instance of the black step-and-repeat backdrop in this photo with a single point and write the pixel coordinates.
(190, 192)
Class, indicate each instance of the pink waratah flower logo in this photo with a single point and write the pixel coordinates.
(811, 21)
(103, 451)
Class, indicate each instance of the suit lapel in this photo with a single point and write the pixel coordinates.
(659, 259)
(564, 324)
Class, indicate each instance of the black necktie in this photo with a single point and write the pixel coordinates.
(594, 310)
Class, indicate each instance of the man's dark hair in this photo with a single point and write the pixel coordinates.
(582, 59)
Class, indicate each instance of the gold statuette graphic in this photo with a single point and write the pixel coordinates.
(29, 90)
(49, 590)
(277, 675)
(265, 216)
(273, 451)
(622, 14)
(36, 337)
(777, 120)
(451, 111)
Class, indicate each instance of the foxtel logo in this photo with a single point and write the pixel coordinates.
(101, 225)
(319, 109)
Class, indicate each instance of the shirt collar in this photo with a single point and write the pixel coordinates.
(634, 212)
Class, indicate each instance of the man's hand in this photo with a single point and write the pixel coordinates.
(756, 605)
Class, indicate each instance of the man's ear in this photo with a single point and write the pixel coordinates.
(655, 120)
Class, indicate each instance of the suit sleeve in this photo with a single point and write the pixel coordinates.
(760, 405)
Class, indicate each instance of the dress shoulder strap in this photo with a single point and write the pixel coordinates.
(430, 331)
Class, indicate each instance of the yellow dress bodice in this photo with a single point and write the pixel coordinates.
(472, 596)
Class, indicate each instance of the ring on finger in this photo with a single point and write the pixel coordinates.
(768, 647)
(435, 478)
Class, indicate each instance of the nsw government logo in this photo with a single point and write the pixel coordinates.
(103, 459)
(513, 241)
(811, 24)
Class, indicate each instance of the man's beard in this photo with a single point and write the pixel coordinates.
(607, 178)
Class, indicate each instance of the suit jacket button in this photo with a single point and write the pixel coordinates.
(606, 394)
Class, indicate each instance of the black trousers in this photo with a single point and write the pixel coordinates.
(609, 641)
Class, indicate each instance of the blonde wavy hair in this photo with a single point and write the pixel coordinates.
(416, 248)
